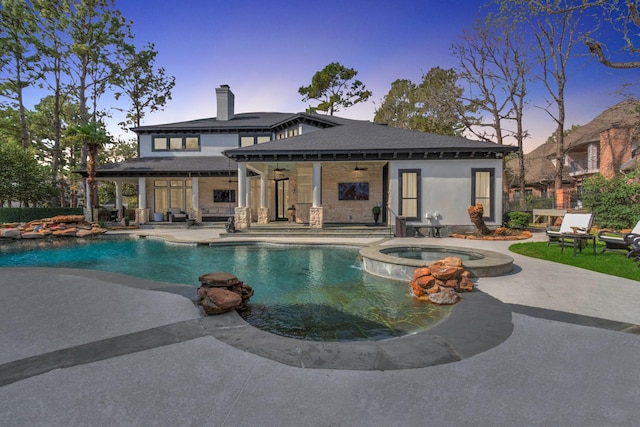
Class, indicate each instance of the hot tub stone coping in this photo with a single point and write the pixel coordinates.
(490, 265)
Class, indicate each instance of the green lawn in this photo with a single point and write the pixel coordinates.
(613, 263)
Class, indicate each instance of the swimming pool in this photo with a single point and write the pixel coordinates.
(301, 291)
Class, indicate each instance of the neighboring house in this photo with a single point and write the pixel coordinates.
(260, 166)
(606, 145)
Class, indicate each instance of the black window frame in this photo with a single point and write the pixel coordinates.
(184, 143)
(492, 190)
(418, 173)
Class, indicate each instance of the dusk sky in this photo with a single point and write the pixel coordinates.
(266, 50)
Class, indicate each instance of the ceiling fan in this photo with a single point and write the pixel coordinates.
(278, 169)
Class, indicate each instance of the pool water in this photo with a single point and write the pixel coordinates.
(430, 254)
(305, 292)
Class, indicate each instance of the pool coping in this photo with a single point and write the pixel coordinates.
(478, 323)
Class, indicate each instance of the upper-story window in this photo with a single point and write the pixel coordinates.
(288, 133)
(176, 143)
(247, 140)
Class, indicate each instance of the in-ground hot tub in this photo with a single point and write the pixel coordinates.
(398, 262)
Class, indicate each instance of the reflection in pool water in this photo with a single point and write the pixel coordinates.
(308, 292)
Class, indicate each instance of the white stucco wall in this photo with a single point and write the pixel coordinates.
(446, 188)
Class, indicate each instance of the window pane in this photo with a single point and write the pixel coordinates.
(177, 198)
(410, 194)
(262, 139)
(192, 143)
(160, 183)
(160, 200)
(176, 183)
(189, 201)
(305, 185)
(159, 143)
(175, 143)
(246, 141)
(410, 208)
(409, 185)
(483, 191)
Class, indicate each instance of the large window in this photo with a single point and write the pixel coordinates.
(409, 194)
(483, 191)
(176, 143)
(174, 193)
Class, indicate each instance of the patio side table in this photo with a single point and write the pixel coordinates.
(579, 241)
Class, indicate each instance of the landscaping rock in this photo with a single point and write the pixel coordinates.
(444, 297)
(439, 282)
(221, 292)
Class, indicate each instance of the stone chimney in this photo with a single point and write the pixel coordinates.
(225, 103)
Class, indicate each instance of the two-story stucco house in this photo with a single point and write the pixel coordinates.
(261, 166)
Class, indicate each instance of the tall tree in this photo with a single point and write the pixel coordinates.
(22, 178)
(100, 37)
(554, 27)
(53, 25)
(147, 87)
(18, 56)
(94, 136)
(398, 106)
(434, 105)
(494, 63)
(334, 88)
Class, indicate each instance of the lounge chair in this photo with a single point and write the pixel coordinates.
(618, 241)
(581, 223)
(634, 247)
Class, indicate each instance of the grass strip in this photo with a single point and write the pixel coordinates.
(612, 263)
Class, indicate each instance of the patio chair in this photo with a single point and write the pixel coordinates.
(634, 247)
(571, 221)
(618, 241)
(175, 214)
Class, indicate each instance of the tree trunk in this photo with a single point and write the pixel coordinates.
(475, 213)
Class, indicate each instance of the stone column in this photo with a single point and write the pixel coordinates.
(263, 211)
(142, 213)
(316, 217)
(242, 218)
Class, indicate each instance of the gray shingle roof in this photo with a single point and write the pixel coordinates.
(625, 114)
(170, 166)
(246, 121)
(366, 138)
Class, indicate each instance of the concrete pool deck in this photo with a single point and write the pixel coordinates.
(85, 348)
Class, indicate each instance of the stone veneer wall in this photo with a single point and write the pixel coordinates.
(350, 211)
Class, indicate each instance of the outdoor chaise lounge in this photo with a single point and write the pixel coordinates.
(571, 223)
(618, 241)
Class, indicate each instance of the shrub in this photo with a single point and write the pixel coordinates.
(30, 214)
(614, 202)
(517, 219)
